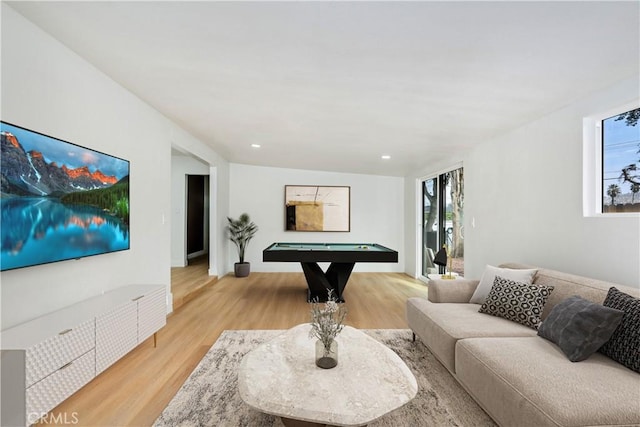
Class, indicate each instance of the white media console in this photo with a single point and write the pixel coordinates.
(46, 360)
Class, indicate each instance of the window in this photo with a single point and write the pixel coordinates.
(611, 163)
(442, 219)
(621, 162)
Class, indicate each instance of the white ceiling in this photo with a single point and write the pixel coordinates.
(334, 85)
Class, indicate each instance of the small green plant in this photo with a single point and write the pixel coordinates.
(241, 230)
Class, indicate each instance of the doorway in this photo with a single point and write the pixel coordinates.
(442, 221)
(197, 217)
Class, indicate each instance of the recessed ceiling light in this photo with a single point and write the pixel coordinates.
(385, 156)
(255, 145)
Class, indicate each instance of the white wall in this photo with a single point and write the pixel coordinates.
(377, 212)
(524, 190)
(48, 88)
(181, 166)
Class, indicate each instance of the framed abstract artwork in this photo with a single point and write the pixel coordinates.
(317, 208)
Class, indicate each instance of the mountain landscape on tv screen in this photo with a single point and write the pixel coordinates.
(56, 201)
(27, 173)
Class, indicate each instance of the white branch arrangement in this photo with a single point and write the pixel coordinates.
(326, 322)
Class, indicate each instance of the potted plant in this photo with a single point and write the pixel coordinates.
(241, 230)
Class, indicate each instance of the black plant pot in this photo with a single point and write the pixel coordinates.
(242, 269)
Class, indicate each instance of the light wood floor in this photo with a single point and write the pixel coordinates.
(135, 390)
(188, 282)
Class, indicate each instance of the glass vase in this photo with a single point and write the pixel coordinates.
(326, 358)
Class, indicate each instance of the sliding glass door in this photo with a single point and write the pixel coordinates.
(430, 239)
(442, 220)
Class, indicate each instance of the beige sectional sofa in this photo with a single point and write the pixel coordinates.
(519, 378)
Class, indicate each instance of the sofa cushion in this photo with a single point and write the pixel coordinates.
(580, 327)
(529, 382)
(489, 275)
(624, 345)
(441, 325)
(519, 302)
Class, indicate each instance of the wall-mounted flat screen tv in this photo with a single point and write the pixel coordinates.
(59, 200)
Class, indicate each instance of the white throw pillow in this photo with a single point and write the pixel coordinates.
(489, 275)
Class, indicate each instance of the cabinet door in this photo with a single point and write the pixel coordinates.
(152, 313)
(116, 334)
(48, 393)
(12, 387)
(56, 351)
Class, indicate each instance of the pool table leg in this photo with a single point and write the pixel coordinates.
(320, 282)
(338, 274)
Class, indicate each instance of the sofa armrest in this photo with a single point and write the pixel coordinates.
(459, 290)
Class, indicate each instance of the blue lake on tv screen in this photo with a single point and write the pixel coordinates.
(42, 230)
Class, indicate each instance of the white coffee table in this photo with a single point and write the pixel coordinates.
(280, 377)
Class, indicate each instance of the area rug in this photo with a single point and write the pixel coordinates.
(209, 397)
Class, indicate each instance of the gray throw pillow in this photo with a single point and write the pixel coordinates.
(519, 302)
(580, 327)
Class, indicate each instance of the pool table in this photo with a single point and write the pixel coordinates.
(342, 257)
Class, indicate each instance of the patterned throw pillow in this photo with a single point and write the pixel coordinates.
(624, 344)
(580, 327)
(518, 302)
